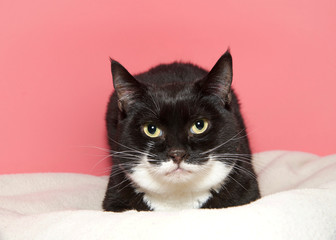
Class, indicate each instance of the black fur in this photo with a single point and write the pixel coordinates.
(173, 96)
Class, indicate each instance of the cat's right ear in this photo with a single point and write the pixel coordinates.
(125, 85)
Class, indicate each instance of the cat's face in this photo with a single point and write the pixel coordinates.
(177, 134)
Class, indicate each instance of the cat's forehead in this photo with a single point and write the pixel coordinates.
(172, 92)
(181, 105)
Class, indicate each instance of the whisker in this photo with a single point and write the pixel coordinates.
(232, 178)
(232, 138)
(245, 171)
(119, 184)
(243, 160)
(100, 161)
(247, 157)
(133, 149)
(154, 113)
(157, 108)
(95, 147)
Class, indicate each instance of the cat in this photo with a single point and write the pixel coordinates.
(177, 140)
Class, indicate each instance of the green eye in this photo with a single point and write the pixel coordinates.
(152, 131)
(199, 126)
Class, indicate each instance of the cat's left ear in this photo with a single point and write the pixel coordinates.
(219, 79)
(125, 85)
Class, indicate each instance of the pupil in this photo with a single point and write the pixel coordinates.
(200, 124)
(151, 129)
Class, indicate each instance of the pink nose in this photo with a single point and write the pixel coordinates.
(177, 155)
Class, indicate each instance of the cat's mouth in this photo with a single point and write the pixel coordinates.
(178, 171)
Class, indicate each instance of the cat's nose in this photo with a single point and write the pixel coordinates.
(177, 155)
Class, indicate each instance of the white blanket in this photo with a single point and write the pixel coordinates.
(299, 202)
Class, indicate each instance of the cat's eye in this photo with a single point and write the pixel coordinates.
(151, 130)
(200, 126)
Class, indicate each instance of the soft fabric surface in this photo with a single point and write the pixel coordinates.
(299, 202)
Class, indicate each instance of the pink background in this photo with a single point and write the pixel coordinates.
(55, 76)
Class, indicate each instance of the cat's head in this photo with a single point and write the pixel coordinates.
(178, 125)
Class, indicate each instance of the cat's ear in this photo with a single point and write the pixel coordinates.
(219, 79)
(125, 85)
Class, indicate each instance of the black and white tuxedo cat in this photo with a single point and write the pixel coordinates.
(177, 140)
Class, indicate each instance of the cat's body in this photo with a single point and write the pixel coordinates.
(177, 140)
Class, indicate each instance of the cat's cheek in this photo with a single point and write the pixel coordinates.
(214, 175)
(142, 179)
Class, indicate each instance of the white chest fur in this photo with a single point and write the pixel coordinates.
(177, 201)
(165, 188)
